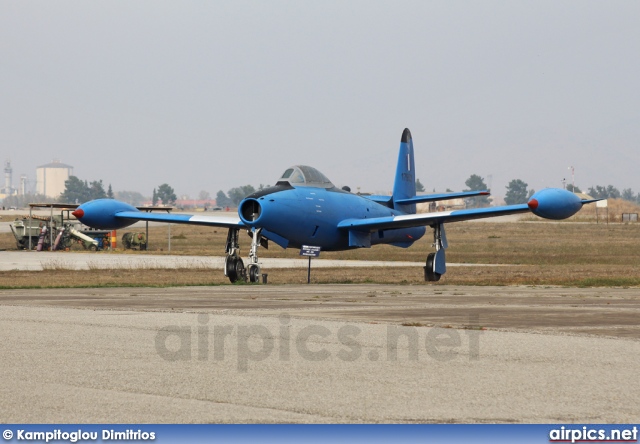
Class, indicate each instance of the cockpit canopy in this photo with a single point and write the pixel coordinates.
(302, 175)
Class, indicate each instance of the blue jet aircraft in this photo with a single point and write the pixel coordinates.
(305, 208)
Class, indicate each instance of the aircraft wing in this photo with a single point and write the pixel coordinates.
(422, 219)
(215, 221)
(550, 203)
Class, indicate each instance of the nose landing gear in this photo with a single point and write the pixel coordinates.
(254, 266)
(234, 267)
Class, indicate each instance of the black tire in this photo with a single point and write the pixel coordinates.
(92, 247)
(254, 273)
(429, 274)
(234, 268)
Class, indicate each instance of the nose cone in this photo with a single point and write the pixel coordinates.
(79, 213)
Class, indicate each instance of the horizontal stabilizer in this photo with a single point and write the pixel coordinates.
(384, 200)
(422, 219)
(442, 196)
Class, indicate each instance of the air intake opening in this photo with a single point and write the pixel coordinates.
(250, 210)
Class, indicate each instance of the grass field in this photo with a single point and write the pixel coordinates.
(538, 253)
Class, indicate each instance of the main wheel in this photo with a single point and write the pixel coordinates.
(254, 273)
(234, 268)
(429, 274)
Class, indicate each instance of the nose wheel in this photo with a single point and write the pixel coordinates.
(254, 273)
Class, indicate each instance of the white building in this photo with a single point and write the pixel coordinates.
(50, 178)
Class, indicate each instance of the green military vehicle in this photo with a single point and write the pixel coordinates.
(22, 232)
(134, 241)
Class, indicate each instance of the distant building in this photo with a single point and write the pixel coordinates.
(50, 178)
(7, 190)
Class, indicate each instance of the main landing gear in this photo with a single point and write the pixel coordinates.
(234, 267)
(436, 264)
(430, 275)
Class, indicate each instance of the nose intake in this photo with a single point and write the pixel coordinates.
(250, 211)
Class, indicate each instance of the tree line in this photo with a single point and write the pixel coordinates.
(234, 196)
(517, 192)
(80, 191)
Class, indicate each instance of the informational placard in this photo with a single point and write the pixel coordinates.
(310, 251)
(602, 203)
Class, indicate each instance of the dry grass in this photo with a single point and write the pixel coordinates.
(573, 254)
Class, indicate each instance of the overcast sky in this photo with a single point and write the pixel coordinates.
(209, 95)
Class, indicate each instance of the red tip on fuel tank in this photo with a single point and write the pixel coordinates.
(79, 213)
(533, 204)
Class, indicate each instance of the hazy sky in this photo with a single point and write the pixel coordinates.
(209, 95)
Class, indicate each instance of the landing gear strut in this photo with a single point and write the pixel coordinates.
(233, 265)
(253, 267)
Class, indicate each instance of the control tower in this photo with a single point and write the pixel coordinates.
(8, 178)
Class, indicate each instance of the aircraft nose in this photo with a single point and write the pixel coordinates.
(78, 213)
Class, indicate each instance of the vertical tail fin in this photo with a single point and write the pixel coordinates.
(404, 185)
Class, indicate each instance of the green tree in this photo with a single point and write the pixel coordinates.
(96, 190)
(110, 192)
(237, 194)
(75, 191)
(166, 194)
(419, 186)
(613, 192)
(204, 195)
(476, 183)
(79, 191)
(628, 194)
(571, 188)
(601, 192)
(131, 197)
(516, 192)
(154, 199)
(222, 200)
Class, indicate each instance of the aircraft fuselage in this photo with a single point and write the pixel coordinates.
(308, 215)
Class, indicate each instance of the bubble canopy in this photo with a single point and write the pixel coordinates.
(302, 175)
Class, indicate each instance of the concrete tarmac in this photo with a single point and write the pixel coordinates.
(320, 353)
